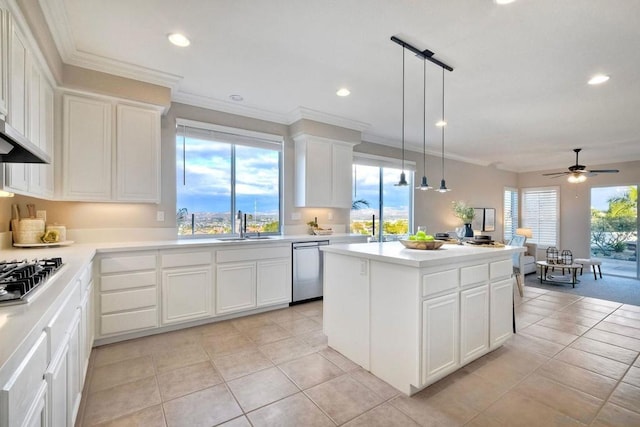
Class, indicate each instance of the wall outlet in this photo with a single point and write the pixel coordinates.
(330, 216)
(160, 216)
(296, 216)
(42, 215)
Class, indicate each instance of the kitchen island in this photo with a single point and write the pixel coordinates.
(411, 317)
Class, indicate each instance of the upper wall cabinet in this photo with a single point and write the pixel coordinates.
(322, 172)
(111, 150)
(29, 103)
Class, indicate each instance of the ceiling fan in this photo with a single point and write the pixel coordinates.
(579, 173)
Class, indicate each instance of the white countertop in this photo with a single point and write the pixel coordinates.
(394, 252)
(22, 323)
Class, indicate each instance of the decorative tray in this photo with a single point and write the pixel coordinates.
(487, 245)
(323, 232)
(43, 245)
(428, 245)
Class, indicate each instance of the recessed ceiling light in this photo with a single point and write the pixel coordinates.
(504, 1)
(598, 79)
(236, 98)
(179, 39)
(343, 92)
(441, 123)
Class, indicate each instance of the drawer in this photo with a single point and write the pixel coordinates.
(129, 300)
(21, 391)
(121, 264)
(252, 254)
(130, 321)
(128, 281)
(186, 259)
(500, 269)
(474, 274)
(60, 324)
(441, 281)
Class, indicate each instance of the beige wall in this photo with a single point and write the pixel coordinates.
(575, 200)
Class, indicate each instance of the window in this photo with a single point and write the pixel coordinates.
(540, 213)
(220, 171)
(375, 193)
(510, 213)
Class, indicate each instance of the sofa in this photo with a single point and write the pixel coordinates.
(528, 259)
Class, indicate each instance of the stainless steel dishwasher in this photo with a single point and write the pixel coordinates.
(307, 271)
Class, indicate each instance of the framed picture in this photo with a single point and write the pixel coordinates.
(489, 219)
(478, 219)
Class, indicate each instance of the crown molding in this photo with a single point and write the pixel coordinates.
(229, 107)
(56, 16)
(331, 119)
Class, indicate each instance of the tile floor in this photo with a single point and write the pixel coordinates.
(574, 361)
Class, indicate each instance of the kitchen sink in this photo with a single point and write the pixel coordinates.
(242, 239)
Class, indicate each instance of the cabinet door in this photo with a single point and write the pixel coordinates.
(37, 415)
(314, 183)
(56, 376)
(4, 61)
(18, 76)
(41, 177)
(501, 312)
(474, 323)
(74, 365)
(186, 294)
(235, 287)
(137, 154)
(274, 282)
(87, 327)
(342, 174)
(439, 337)
(23, 389)
(86, 146)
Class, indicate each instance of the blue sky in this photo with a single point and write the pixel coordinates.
(600, 196)
(208, 176)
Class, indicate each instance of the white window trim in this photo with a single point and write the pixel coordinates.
(381, 161)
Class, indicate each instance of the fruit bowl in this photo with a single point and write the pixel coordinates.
(422, 244)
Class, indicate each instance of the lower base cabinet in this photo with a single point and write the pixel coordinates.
(273, 282)
(440, 322)
(56, 376)
(186, 294)
(501, 319)
(474, 323)
(235, 287)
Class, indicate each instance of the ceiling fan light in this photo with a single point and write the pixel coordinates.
(179, 39)
(576, 178)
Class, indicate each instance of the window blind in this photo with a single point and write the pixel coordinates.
(540, 212)
(382, 162)
(510, 213)
(211, 132)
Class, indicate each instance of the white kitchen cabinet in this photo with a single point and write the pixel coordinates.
(251, 277)
(41, 179)
(99, 166)
(440, 323)
(56, 376)
(18, 79)
(474, 323)
(501, 312)
(323, 172)
(22, 394)
(37, 415)
(273, 282)
(235, 287)
(4, 61)
(137, 154)
(87, 324)
(128, 295)
(86, 149)
(75, 377)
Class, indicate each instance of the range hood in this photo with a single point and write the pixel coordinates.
(15, 148)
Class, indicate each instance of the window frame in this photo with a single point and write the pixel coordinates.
(381, 162)
(243, 137)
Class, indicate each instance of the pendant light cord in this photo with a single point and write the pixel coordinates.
(403, 51)
(424, 119)
(443, 126)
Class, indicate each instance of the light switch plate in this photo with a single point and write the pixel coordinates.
(296, 216)
(160, 216)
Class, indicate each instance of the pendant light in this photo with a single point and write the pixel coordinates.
(424, 186)
(403, 178)
(443, 186)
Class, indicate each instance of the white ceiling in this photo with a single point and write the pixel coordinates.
(517, 99)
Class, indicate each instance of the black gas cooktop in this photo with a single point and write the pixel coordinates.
(19, 279)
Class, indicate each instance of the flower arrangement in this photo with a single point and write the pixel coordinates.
(463, 212)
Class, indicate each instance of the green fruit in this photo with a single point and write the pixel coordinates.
(412, 237)
(421, 233)
(429, 237)
(421, 238)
